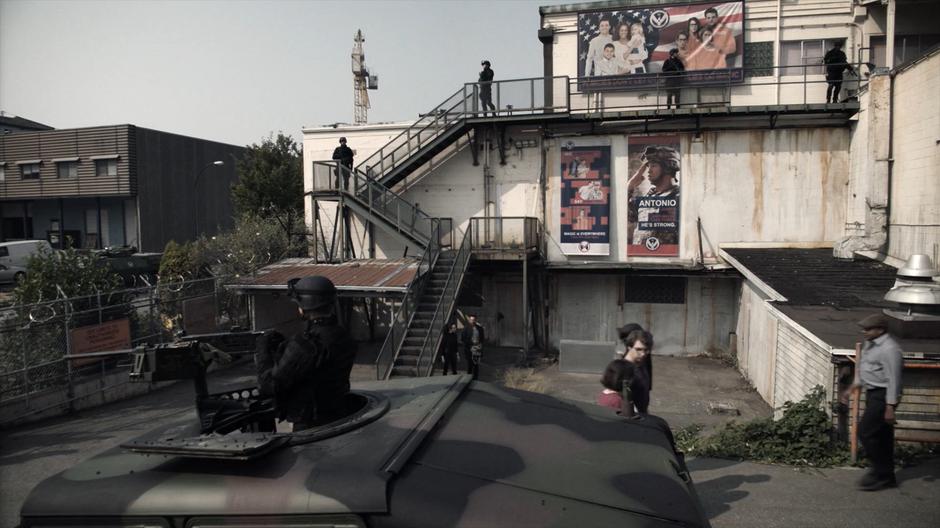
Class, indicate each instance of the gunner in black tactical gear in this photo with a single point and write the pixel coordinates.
(308, 375)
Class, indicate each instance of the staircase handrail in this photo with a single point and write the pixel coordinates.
(402, 318)
(377, 197)
(426, 121)
(436, 328)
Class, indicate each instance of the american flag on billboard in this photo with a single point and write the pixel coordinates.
(661, 26)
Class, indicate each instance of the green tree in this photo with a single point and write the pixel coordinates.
(43, 316)
(270, 183)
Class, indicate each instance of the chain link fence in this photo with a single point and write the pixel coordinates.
(55, 353)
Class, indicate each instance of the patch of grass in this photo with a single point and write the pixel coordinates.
(527, 379)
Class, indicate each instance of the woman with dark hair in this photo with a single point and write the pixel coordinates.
(619, 373)
(694, 31)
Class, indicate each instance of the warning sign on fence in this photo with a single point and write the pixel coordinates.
(104, 337)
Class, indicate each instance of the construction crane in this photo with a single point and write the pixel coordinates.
(362, 81)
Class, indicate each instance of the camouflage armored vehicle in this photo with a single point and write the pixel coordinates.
(440, 451)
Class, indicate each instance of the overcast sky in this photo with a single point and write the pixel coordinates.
(235, 71)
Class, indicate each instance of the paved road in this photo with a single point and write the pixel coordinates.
(734, 494)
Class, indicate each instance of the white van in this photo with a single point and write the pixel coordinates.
(17, 253)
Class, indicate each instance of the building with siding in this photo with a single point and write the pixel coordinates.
(113, 185)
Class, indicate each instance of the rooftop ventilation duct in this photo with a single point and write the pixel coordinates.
(918, 297)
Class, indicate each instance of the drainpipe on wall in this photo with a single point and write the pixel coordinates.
(777, 52)
(547, 38)
(889, 38)
(877, 193)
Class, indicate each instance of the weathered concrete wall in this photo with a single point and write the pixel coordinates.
(915, 178)
(756, 335)
(589, 307)
(757, 186)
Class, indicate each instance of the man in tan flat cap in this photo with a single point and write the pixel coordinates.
(880, 375)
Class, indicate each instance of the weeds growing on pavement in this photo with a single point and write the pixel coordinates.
(802, 437)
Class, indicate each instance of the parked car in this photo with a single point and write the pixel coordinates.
(11, 274)
(17, 253)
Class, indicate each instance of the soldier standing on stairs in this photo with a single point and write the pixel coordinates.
(473, 338)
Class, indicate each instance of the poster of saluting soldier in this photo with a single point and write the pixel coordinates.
(585, 200)
(653, 188)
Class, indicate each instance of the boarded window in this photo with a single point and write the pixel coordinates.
(654, 290)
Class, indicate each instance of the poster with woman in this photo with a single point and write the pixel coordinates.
(585, 200)
(626, 48)
(653, 186)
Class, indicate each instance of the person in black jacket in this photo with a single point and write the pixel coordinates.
(344, 156)
(473, 338)
(449, 346)
(672, 71)
(486, 88)
(308, 375)
(638, 346)
(836, 63)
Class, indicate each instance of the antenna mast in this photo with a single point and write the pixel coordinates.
(362, 81)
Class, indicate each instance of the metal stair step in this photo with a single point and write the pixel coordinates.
(411, 372)
(407, 361)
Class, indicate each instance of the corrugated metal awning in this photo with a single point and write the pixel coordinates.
(356, 277)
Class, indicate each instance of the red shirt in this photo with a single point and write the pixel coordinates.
(610, 399)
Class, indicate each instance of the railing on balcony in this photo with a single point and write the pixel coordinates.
(763, 86)
(505, 234)
(759, 86)
(444, 307)
(376, 199)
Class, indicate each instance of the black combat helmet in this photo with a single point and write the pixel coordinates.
(312, 293)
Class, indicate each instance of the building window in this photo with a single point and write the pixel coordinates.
(67, 169)
(906, 48)
(106, 167)
(809, 53)
(30, 171)
(3, 172)
(654, 290)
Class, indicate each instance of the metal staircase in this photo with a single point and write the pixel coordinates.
(428, 136)
(434, 132)
(417, 326)
(423, 336)
(384, 207)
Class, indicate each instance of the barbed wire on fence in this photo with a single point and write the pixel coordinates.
(35, 338)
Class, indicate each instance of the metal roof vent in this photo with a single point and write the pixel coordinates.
(918, 266)
(918, 299)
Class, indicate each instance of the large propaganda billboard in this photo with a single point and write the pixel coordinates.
(625, 49)
(653, 187)
(585, 200)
